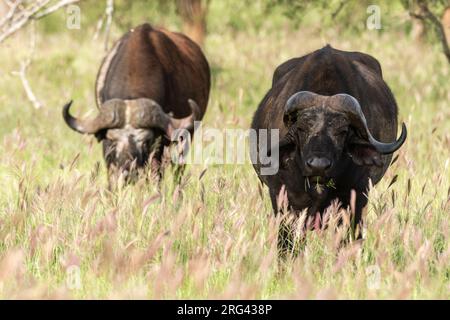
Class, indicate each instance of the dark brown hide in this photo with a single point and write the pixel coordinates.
(327, 72)
(157, 64)
(151, 82)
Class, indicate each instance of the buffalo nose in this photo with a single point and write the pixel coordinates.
(318, 164)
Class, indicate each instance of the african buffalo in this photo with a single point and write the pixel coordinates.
(152, 82)
(332, 109)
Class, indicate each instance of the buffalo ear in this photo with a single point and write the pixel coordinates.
(363, 153)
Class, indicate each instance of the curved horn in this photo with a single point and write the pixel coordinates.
(151, 114)
(298, 101)
(188, 122)
(351, 106)
(110, 116)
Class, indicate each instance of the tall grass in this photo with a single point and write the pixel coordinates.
(213, 235)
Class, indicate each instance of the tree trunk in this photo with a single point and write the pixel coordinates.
(193, 13)
(418, 26)
(446, 23)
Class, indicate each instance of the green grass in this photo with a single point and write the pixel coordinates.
(213, 237)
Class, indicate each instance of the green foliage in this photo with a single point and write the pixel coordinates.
(214, 236)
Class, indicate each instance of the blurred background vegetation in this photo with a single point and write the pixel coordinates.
(221, 16)
(348, 16)
(56, 211)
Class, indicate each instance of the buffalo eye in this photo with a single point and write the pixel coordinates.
(342, 132)
(146, 145)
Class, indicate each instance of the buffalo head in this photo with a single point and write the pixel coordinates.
(130, 131)
(323, 130)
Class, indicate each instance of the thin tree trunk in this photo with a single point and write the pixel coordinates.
(418, 26)
(426, 14)
(446, 23)
(193, 13)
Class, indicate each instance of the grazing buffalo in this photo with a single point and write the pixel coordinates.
(337, 119)
(151, 83)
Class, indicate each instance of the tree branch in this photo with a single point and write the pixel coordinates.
(427, 15)
(109, 14)
(20, 15)
(10, 14)
(338, 10)
(23, 77)
(53, 8)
